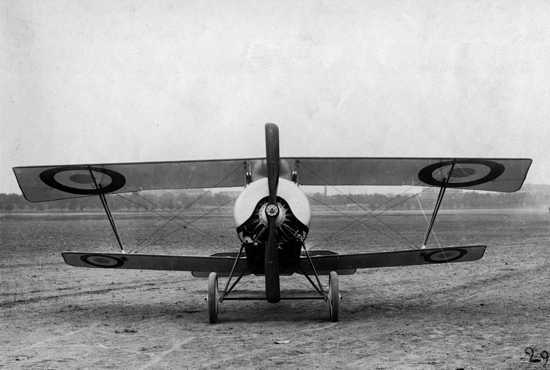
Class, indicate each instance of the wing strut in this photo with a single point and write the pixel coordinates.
(107, 210)
(437, 205)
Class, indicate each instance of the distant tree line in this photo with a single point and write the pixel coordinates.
(454, 199)
(121, 202)
(177, 200)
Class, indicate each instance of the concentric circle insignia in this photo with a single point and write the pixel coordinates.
(445, 255)
(78, 180)
(466, 172)
(101, 260)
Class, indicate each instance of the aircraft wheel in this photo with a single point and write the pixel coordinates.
(333, 296)
(213, 298)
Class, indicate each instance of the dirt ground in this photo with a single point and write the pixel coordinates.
(466, 315)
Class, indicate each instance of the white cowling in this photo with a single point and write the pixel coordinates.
(257, 190)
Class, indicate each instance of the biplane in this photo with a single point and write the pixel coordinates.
(272, 214)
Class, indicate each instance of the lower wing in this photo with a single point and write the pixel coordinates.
(338, 262)
(219, 264)
(224, 264)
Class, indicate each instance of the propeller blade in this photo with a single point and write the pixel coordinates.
(271, 266)
(273, 291)
(272, 159)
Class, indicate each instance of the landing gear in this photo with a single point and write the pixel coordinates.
(333, 296)
(330, 294)
(213, 298)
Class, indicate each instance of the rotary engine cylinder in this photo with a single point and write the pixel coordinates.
(293, 217)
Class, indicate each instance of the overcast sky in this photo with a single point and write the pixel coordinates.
(105, 81)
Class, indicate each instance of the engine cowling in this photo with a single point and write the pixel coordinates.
(292, 220)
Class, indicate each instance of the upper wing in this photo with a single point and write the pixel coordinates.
(44, 183)
(498, 174)
(323, 264)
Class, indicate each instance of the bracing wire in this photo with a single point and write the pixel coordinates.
(361, 222)
(368, 212)
(185, 225)
(373, 212)
(185, 207)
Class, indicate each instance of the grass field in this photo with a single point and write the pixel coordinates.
(471, 315)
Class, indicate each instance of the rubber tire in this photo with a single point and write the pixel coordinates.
(333, 296)
(213, 298)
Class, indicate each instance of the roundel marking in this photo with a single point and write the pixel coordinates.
(81, 178)
(463, 172)
(466, 172)
(100, 260)
(445, 255)
(77, 179)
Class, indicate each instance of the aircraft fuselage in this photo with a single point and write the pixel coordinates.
(292, 223)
